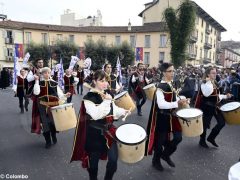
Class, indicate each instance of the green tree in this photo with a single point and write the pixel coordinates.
(64, 50)
(180, 23)
(126, 54)
(38, 51)
(99, 52)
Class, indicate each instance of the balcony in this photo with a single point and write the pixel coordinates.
(193, 38)
(219, 50)
(206, 60)
(9, 40)
(192, 56)
(208, 30)
(9, 58)
(207, 45)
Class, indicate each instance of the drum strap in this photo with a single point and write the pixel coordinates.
(174, 114)
(55, 103)
(102, 127)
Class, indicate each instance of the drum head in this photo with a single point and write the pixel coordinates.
(120, 95)
(131, 134)
(230, 106)
(182, 97)
(189, 113)
(148, 86)
(62, 106)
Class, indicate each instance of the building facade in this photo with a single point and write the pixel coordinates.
(228, 57)
(204, 44)
(151, 41)
(69, 19)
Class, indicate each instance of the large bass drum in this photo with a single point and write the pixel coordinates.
(64, 117)
(231, 113)
(191, 121)
(149, 91)
(124, 101)
(131, 140)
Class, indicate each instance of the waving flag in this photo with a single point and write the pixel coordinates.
(19, 50)
(139, 54)
(16, 72)
(119, 71)
(74, 60)
(26, 58)
(61, 72)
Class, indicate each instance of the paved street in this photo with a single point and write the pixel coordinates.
(23, 153)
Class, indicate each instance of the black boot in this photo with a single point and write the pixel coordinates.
(168, 151)
(26, 106)
(92, 174)
(202, 141)
(139, 110)
(47, 139)
(22, 109)
(109, 174)
(54, 137)
(156, 162)
(212, 136)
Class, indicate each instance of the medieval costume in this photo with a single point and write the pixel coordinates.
(69, 86)
(35, 127)
(162, 124)
(47, 94)
(95, 134)
(207, 100)
(114, 87)
(21, 89)
(80, 76)
(137, 82)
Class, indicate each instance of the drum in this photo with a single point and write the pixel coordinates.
(131, 140)
(184, 105)
(64, 117)
(191, 121)
(124, 101)
(234, 172)
(76, 80)
(231, 113)
(149, 91)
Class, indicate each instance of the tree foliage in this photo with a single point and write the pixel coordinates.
(180, 23)
(38, 51)
(101, 53)
(64, 50)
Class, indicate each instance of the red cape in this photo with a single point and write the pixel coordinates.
(79, 153)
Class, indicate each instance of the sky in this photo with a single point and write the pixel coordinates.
(114, 13)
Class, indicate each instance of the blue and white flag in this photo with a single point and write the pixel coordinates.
(61, 73)
(25, 59)
(74, 60)
(119, 71)
(17, 69)
(16, 72)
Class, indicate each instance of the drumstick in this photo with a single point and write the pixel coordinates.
(124, 118)
(94, 90)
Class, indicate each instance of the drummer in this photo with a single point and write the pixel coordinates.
(113, 87)
(137, 81)
(47, 93)
(69, 84)
(207, 98)
(95, 132)
(162, 124)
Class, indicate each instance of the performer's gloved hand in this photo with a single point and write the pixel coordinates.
(229, 95)
(108, 96)
(182, 102)
(68, 94)
(36, 77)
